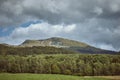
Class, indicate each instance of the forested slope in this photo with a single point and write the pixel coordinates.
(11, 50)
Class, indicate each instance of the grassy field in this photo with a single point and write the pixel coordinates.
(111, 77)
(7, 76)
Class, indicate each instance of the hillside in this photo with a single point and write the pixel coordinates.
(17, 50)
(53, 45)
(66, 44)
(54, 41)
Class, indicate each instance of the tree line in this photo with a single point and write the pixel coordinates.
(11, 50)
(69, 64)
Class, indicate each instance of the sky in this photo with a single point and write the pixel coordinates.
(95, 22)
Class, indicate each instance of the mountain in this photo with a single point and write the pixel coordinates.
(54, 41)
(67, 44)
(54, 45)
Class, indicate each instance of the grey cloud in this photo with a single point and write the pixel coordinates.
(98, 21)
(58, 11)
(98, 32)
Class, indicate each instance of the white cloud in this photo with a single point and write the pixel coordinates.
(38, 31)
(69, 28)
(44, 28)
(115, 6)
(108, 47)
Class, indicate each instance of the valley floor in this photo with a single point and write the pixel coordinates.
(111, 77)
(26, 76)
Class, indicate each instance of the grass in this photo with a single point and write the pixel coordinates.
(7, 76)
(111, 77)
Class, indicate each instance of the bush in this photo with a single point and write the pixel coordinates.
(55, 69)
(67, 72)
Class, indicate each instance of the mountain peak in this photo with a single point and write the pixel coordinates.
(53, 41)
(56, 38)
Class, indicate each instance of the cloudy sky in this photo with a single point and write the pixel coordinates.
(96, 22)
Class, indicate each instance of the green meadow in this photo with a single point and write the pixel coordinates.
(7, 76)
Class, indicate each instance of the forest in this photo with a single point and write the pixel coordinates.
(68, 64)
(10, 50)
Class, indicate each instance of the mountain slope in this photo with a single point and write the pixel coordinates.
(66, 44)
(54, 41)
(17, 50)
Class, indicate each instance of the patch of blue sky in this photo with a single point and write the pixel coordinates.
(26, 24)
(5, 31)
